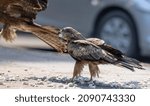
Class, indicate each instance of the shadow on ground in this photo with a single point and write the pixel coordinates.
(82, 83)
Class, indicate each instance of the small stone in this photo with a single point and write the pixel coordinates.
(60, 86)
(2, 78)
(71, 84)
(52, 79)
(82, 82)
(44, 78)
(1, 73)
(8, 86)
(81, 79)
(17, 75)
(32, 85)
(64, 79)
(97, 82)
(25, 83)
(1, 83)
(86, 79)
(6, 78)
(24, 79)
(39, 80)
(40, 83)
(115, 85)
(12, 79)
(91, 86)
(34, 78)
(75, 85)
(26, 70)
(48, 82)
(90, 82)
(51, 86)
(8, 71)
(65, 87)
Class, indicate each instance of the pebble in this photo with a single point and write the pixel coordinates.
(51, 86)
(2, 78)
(52, 79)
(24, 79)
(39, 80)
(1, 83)
(115, 84)
(48, 82)
(91, 86)
(26, 70)
(64, 79)
(17, 75)
(1, 73)
(8, 86)
(32, 85)
(82, 82)
(8, 71)
(44, 78)
(97, 82)
(85, 79)
(65, 87)
(75, 85)
(25, 83)
(90, 82)
(12, 79)
(71, 84)
(40, 83)
(60, 86)
(132, 86)
(34, 78)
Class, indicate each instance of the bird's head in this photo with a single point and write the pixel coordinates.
(69, 34)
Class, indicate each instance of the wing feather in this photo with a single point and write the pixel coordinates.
(85, 50)
(101, 43)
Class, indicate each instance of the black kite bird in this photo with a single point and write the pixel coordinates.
(19, 15)
(93, 51)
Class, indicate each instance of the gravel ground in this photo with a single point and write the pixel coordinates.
(20, 68)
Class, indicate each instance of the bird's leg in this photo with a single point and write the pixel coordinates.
(94, 70)
(97, 70)
(8, 32)
(77, 69)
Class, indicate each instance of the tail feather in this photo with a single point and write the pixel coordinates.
(123, 64)
(129, 63)
(131, 60)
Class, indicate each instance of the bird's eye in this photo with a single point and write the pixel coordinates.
(67, 31)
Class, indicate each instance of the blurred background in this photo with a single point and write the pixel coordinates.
(125, 24)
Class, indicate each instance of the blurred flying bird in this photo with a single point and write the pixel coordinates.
(20, 15)
(93, 51)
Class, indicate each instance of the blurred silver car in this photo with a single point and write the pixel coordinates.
(125, 24)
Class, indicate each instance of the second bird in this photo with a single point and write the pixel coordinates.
(93, 51)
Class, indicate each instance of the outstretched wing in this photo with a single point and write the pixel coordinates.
(43, 4)
(25, 10)
(108, 48)
(36, 4)
(25, 4)
(85, 50)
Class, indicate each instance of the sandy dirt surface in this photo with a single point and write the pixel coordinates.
(22, 68)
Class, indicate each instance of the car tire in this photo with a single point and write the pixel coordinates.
(118, 29)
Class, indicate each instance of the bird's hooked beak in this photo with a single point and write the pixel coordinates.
(62, 37)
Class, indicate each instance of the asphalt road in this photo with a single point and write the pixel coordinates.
(30, 63)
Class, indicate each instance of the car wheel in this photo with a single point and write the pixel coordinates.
(118, 30)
